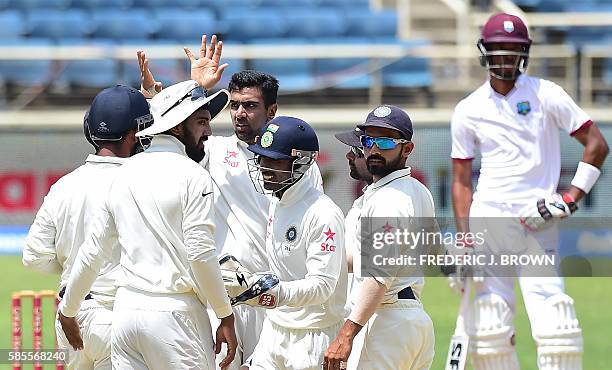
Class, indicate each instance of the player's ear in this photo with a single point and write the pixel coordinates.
(407, 149)
(272, 111)
(177, 130)
(130, 137)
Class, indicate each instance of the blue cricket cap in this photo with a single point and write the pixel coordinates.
(391, 117)
(115, 111)
(284, 138)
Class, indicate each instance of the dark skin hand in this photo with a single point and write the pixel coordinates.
(226, 334)
(71, 329)
(340, 349)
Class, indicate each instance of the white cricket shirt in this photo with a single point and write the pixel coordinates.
(305, 246)
(350, 241)
(517, 136)
(65, 219)
(350, 226)
(397, 195)
(160, 209)
(241, 213)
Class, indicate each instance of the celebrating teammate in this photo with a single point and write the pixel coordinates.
(387, 303)
(358, 170)
(159, 208)
(66, 216)
(305, 248)
(514, 120)
(241, 213)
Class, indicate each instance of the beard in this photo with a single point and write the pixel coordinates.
(192, 147)
(195, 153)
(381, 168)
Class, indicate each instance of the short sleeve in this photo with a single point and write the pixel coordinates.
(566, 114)
(463, 138)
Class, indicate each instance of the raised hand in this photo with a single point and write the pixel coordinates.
(206, 70)
(148, 86)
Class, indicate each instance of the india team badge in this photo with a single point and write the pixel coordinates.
(266, 139)
(382, 111)
(291, 233)
(523, 108)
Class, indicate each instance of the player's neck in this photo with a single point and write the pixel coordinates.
(502, 87)
(113, 152)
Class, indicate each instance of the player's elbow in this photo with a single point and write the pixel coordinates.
(27, 262)
(324, 290)
(30, 259)
(602, 150)
(37, 264)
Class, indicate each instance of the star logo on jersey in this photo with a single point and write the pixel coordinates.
(387, 228)
(523, 108)
(329, 234)
(231, 158)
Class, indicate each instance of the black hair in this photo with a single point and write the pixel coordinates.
(267, 83)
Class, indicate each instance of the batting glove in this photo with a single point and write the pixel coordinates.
(538, 215)
(245, 287)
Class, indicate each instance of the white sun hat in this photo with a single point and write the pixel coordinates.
(177, 102)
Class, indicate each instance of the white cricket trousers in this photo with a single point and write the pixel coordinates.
(537, 283)
(160, 331)
(282, 348)
(95, 321)
(399, 336)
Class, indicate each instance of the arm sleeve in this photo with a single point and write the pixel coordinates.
(40, 252)
(463, 138)
(371, 293)
(198, 231)
(93, 253)
(324, 258)
(566, 113)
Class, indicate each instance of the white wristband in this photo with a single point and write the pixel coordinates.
(586, 176)
(150, 92)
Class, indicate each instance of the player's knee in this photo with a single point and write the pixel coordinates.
(557, 334)
(490, 327)
(491, 331)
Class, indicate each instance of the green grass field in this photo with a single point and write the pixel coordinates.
(592, 295)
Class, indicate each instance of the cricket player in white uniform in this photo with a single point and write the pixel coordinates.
(381, 305)
(160, 210)
(68, 211)
(514, 121)
(241, 213)
(358, 170)
(305, 247)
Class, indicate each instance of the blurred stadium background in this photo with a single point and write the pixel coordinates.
(335, 60)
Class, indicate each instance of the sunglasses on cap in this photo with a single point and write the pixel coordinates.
(383, 143)
(195, 94)
(357, 151)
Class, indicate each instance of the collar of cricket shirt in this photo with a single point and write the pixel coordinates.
(166, 143)
(404, 172)
(519, 83)
(296, 191)
(92, 158)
